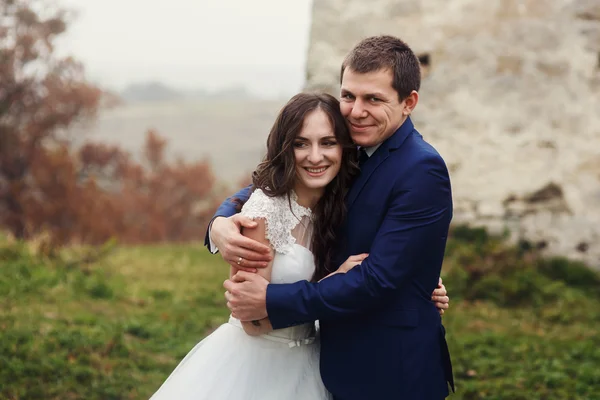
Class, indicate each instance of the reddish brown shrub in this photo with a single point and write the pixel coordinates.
(98, 191)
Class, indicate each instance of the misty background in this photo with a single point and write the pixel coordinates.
(208, 75)
(189, 45)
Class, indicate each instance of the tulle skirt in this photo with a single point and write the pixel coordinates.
(231, 365)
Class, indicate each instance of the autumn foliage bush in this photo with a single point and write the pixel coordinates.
(87, 193)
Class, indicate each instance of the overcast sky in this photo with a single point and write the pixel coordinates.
(192, 43)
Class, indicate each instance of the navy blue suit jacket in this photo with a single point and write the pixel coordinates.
(381, 335)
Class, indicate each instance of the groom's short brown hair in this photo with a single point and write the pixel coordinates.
(386, 52)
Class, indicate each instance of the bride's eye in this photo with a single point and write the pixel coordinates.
(299, 145)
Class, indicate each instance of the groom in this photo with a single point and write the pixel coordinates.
(381, 336)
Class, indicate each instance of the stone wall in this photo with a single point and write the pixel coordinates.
(511, 99)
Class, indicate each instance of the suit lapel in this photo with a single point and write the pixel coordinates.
(380, 155)
(365, 173)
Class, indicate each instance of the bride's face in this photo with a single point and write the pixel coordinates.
(318, 153)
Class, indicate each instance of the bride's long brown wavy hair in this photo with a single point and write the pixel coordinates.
(276, 174)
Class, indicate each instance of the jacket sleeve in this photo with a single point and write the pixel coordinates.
(226, 209)
(411, 236)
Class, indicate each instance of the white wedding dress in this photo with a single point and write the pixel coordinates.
(280, 365)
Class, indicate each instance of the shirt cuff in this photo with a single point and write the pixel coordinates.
(213, 249)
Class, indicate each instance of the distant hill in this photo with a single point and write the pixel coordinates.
(151, 91)
(159, 92)
(231, 133)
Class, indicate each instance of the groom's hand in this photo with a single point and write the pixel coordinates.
(440, 297)
(236, 249)
(246, 296)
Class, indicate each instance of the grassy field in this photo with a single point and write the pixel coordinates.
(518, 328)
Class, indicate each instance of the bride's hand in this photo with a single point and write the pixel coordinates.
(350, 263)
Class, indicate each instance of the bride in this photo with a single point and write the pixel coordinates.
(297, 210)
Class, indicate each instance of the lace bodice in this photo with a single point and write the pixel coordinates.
(287, 222)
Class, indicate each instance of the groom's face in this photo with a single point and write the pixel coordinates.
(371, 106)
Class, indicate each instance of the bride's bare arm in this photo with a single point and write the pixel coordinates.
(350, 263)
(257, 233)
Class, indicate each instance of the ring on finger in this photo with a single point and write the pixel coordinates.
(239, 261)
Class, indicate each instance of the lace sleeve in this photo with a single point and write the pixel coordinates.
(280, 219)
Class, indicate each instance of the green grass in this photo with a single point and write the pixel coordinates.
(112, 330)
(522, 327)
(519, 327)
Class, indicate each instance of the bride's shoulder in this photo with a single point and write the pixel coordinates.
(259, 203)
(284, 205)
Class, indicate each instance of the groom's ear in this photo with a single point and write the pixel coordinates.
(410, 103)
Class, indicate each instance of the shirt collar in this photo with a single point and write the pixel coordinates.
(372, 149)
